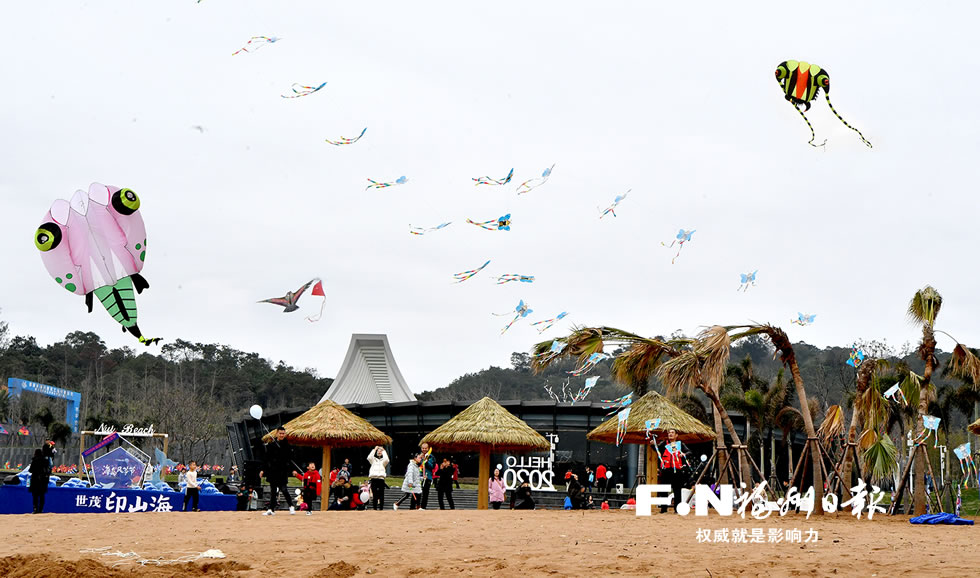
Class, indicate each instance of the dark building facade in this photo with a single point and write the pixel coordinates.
(565, 424)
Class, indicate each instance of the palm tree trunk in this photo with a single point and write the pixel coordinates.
(736, 441)
(720, 443)
(811, 434)
(863, 378)
(928, 351)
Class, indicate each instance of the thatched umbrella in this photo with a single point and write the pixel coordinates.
(975, 427)
(331, 425)
(652, 406)
(486, 426)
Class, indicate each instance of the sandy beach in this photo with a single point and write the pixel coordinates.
(473, 543)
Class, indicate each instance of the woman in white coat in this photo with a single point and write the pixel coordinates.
(378, 458)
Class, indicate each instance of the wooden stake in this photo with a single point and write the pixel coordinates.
(483, 480)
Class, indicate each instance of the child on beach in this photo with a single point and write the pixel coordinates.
(412, 485)
(311, 486)
(193, 487)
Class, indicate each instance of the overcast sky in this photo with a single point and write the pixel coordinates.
(676, 101)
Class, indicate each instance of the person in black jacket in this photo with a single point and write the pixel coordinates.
(278, 466)
(39, 480)
(522, 497)
(444, 484)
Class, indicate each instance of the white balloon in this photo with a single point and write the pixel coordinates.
(609, 474)
(255, 411)
(500, 467)
(365, 496)
(298, 491)
(704, 458)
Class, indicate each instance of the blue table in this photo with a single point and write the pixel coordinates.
(18, 500)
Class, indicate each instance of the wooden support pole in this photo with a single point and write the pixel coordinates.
(325, 484)
(653, 466)
(483, 480)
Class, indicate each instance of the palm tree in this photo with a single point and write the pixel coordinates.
(923, 310)
(781, 342)
(681, 364)
(863, 405)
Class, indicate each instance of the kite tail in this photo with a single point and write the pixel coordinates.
(839, 117)
(813, 135)
(314, 318)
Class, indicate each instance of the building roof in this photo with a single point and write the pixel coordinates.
(369, 374)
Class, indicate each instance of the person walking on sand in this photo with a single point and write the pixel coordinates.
(378, 458)
(444, 484)
(279, 462)
(412, 484)
(497, 489)
(192, 492)
(39, 480)
(428, 468)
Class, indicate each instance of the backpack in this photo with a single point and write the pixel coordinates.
(568, 503)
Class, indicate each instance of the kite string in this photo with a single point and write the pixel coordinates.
(813, 135)
(839, 117)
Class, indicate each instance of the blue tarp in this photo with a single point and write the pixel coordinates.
(61, 500)
(940, 519)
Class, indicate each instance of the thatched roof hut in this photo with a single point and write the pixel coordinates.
(690, 430)
(652, 406)
(486, 426)
(331, 425)
(974, 427)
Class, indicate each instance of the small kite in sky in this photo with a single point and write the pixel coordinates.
(586, 389)
(681, 238)
(967, 465)
(590, 363)
(346, 141)
(521, 310)
(612, 208)
(318, 291)
(490, 181)
(557, 346)
(289, 300)
(514, 277)
(618, 403)
(259, 42)
(95, 245)
(930, 425)
(531, 184)
(801, 82)
(804, 320)
(549, 322)
(894, 393)
(747, 279)
(856, 358)
(424, 230)
(460, 277)
(301, 90)
(498, 224)
(623, 416)
(380, 185)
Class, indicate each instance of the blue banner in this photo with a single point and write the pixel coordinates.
(17, 500)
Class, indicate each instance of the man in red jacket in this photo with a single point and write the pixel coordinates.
(600, 478)
(674, 468)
